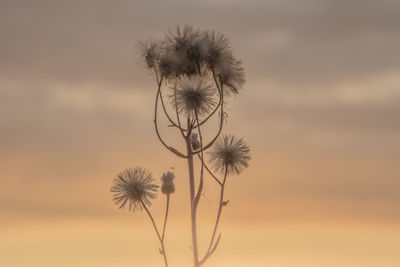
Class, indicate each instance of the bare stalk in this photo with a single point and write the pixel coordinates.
(218, 105)
(210, 172)
(221, 124)
(177, 115)
(212, 246)
(165, 218)
(200, 189)
(174, 124)
(170, 148)
(192, 209)
(162, 251)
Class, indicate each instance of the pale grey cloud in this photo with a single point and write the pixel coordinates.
(305, 41)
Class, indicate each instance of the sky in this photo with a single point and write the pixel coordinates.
(319, 109)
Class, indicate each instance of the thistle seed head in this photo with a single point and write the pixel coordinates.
(150, 52)
(134, 187)
(194, 94)
(188, 52)
(230, 154)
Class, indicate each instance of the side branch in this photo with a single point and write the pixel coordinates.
(216, 108)
(170, 148)
(221, 124)
(213, 246)
(162, 251)
(165, 219)
(173, 124)
(178, 118)
(210, 172)
(201, 184)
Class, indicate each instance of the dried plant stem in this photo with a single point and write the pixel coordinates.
(200, 189)
(174, 124)
(213, 246)
(170, 148)
(209, 171)
(162, 251)
(221, 122)
(165, 218)
(177, 115)
(215, 109)
(192, 206)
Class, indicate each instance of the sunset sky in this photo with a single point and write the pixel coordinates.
(320, 110)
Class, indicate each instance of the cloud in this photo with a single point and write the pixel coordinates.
(302, 41)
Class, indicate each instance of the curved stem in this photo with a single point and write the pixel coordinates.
(177, 115)
(200, 189)
(212, 248)
(219, 101)
(157, 232)
(221, 124)
(166, 113)
(170, 148)
(165, 218)
(210, 172)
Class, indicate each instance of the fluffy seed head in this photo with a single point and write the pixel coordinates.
(194, 94)
(150, 52)
(231, 74)
(169, 64)
(134, 187)
(184, 43)
(230, 154)
(213, 48)
(188, 52)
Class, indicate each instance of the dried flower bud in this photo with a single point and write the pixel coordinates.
(195, 141)
(168, 186)
(225, 203)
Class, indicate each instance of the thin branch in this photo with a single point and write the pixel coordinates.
(162, 251)
(200, 189)
(170, 148)
(177, 115)
(219, 101)
(212, 247)
(165, 218)
(210, 172)
(174, 124)
(211, 251)
(221, 124)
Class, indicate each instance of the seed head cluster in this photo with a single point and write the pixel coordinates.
(187, 52)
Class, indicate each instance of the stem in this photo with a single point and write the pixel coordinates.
(200, 189)
(166, 113)
(170, 148)
(158, 234)
(219, 101)
(165, 218)
(221, 124)
(212, 248)
(210, 172)
(192, 206)
(177, 114)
